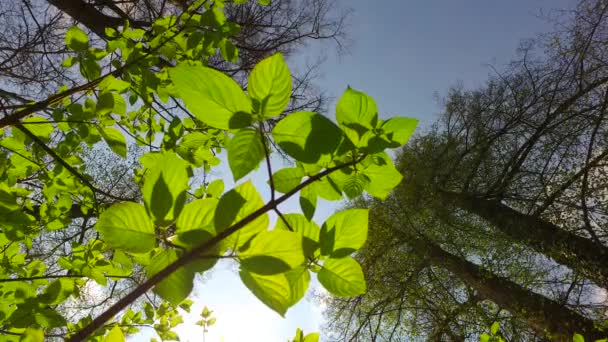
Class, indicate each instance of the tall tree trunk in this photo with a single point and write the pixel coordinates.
(578, 253)
(543, 315)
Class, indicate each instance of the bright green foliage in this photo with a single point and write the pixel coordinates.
(245, 152)
(169, 217)
(165, 185)
(76, 39)
(115, 335)
(213, 97)
(307, 137)
(126, 226)
(115, 140)
(234, 206)
(270, 85)
(288, 178)
(344, 232)
(300, 337)
(342, 277)
(272, 252)
(356, 113)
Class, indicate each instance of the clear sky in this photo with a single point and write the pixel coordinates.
(403, 53)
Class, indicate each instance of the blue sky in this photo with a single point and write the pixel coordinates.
(403, 53)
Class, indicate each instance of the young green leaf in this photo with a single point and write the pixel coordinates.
(76, 39)
(115, 335)
(344, 232)
(272, 252)
(195, 224)
(165, 185)
(308, 201)
(245, 152)
(105, 103)
(307, 137)
(300, 224)
(356, 113)
(177, 286)
(58, 291)
(235, 205)
(286, 179)
(211, 96)
(115, 140)
(270, 85)
(273, 290)
(342, 277)
(382, 175)
(399, 130)
(126, 226)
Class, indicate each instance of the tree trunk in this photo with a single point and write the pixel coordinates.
(543, 315)
(578, 253)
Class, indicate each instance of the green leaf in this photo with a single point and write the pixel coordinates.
(126, 226)
(287, 179)
(234, 206)
(211, 96)
(195, 224)
(197, 214)
(300, 224)
(494, 328)
(342, 277)
(307, 136)
(111, 84)
(299, 280)
(270, 84)
(68, 62)
(264, 2)
(215, 188)
(399, 130)
(344, 232)
(312, 337)
(115, 140)
(272, 252)
(32, 335)
(245, 151)
(105, 103)
(41, 127)
(229, 51)
(274, 290)
(382, 175)
(115, 335)
(58, 291)
(308, 201)
(356, 113)
(279, 291)
(206, 313)
(90, 69)
(76, 39)
(177, 286)
(165, 185)
(578, 338)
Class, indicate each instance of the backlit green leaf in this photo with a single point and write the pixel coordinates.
(76, 39)
(382, 175)
(177, 286)
(272, 252)
(287, 179)
(342, 277)
(245, 151)
(115, 139)
(270, 85)
(344, 232)
(165, 185)
(300, 224)
(211, 96)
(127, 226)
(235, 205)
(399, 130)
(307, 136)
(308, 201)
(356, 113)
(115, 335)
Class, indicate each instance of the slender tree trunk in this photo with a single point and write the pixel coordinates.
(543, 315)
(578, 253)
